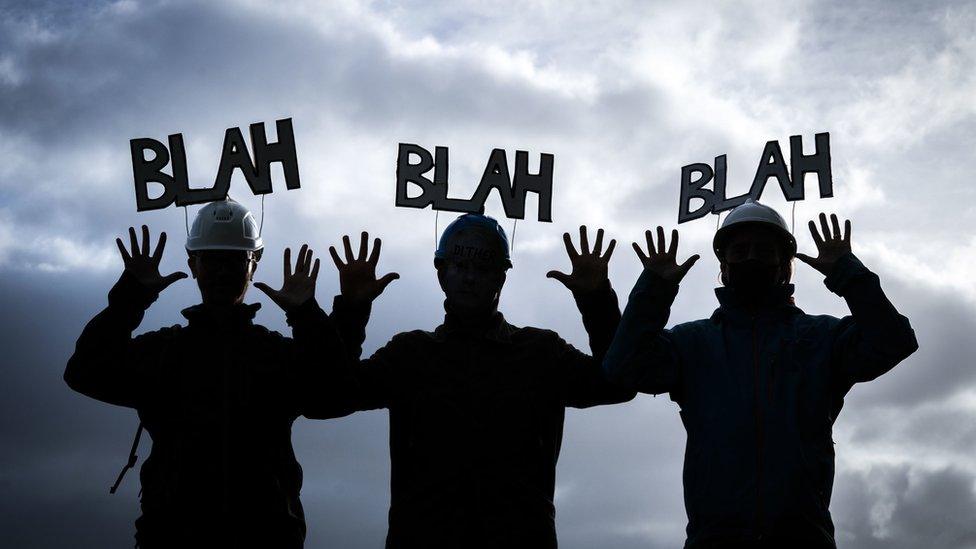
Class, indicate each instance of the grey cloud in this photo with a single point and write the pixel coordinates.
(904, 507)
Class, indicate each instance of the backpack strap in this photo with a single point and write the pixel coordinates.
(132, 460)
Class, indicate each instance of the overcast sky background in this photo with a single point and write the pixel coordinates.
(623, 94)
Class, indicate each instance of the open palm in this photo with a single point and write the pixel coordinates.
(143, 266)
(664, 262)
(589, 267)
(297, 286)
(357, 276)
(830, 247)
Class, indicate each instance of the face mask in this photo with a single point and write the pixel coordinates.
(752, 277)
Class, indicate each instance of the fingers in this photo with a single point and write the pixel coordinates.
(126, 258)
(816, 236)
(598, 245)
(307, 267)
(570, 249)
(660, 239)
(374, 256)
(315, 270)
(287, 262)
(836, 225)
(133, 245)
(561, 277)
(584, 242)
(266, 289)
(824, 227)
(158, 252)
(673, 248)
(640, 252)
(348, 248)
(335, 257)
(805, 258)
(363, 244)
(145, 241)
(171, 278)
(385, 281)
(650, 243)
(689, 263)
(301, 266)
(847, 231)
(610, 247)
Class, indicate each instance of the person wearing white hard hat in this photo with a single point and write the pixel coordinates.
(219, 395)
(760, 382)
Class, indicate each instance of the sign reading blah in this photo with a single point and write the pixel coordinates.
(770, 165)
(235, 155)
(433, 192)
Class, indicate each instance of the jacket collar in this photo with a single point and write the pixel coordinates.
(778, 303)
(241, 314)
(492, 327)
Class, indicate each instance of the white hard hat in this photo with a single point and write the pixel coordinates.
(752, 212)
(224, 225)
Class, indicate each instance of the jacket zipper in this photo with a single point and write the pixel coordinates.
(759, 424)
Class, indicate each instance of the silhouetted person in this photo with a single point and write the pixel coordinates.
(476, 406)
(218, 396)
(759, 383)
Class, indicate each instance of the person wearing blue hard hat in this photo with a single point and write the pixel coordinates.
(760, 382)
(477, 404)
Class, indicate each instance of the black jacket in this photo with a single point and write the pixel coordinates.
(759, 391)
(218, 400)
(476, 421)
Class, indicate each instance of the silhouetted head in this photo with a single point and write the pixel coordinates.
(224, 247)
(755, 250)
(471, 259)
(223, 275)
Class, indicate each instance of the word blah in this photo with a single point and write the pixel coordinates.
(176, 187)
(770, 165)
(496, 176)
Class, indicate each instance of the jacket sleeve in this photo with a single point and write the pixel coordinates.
(318, 357)
(875, 337)
(362, 384)
(582, 381)
(642, 356)
(108, 363)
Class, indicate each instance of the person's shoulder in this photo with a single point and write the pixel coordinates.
(821, 323)
(695, 326)
(413, 337)
(166, 333)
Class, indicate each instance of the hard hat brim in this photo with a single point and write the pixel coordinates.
(722, 235)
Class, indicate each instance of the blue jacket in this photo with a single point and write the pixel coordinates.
(759, 391)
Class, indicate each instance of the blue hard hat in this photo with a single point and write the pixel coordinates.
(480, 223)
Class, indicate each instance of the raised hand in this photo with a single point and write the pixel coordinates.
(589, 267)
(297, 287)
(662, 262)
(830, 247)
(357, 276)
(145, 267)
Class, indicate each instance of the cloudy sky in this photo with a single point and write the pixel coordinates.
(623, 94)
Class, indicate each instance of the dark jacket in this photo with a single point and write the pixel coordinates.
(218, 400)
(759, 394)
(476, 422)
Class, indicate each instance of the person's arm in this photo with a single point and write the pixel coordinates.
(315, 356)
(875, 337)
(579, 375)
(345, 384)
(108, 363)
(642, 356)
